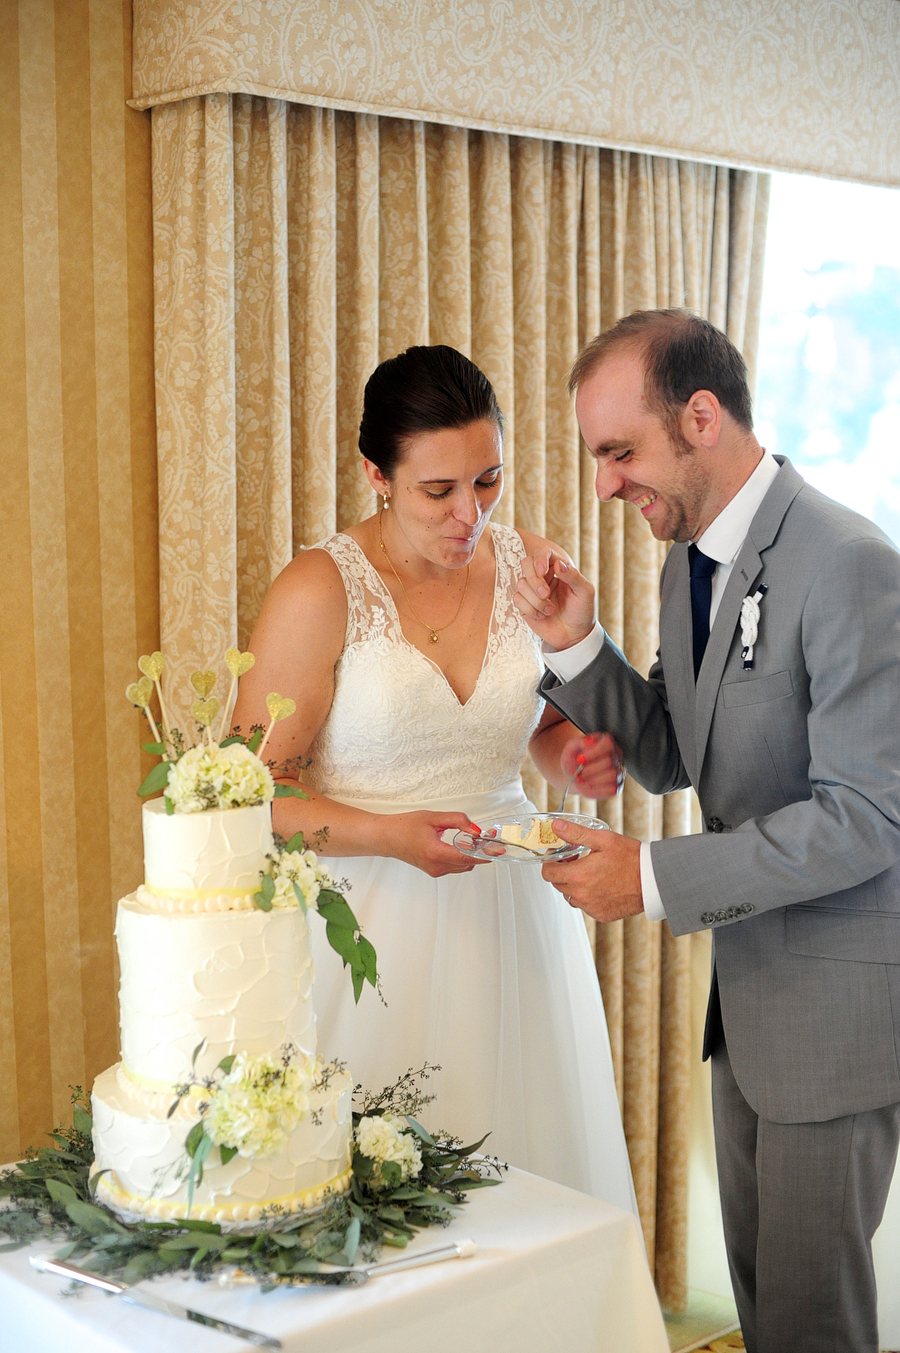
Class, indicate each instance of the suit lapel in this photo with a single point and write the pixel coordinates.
(747, 568)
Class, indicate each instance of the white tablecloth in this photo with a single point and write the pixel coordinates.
(555, 1271)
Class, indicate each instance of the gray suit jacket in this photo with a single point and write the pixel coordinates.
(797, 767)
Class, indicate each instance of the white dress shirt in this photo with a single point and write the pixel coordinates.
(722, 540)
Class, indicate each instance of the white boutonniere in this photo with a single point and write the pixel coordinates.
(750, 625)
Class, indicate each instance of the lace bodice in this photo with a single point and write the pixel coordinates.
(396, 729)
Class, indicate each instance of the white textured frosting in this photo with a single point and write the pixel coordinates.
(241, 980)
(145, 1152)
(221, 848)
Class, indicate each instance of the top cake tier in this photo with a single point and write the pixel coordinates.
(221, 850)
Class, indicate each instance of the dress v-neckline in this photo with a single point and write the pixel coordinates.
(391, 606)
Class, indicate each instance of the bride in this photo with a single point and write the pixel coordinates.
(415, 680)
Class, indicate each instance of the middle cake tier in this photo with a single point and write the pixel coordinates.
(232, 981)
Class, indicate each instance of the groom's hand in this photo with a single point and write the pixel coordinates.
(606, 883)
(555, 600)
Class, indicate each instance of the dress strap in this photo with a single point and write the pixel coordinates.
(370, 607)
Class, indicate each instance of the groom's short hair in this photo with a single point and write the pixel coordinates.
(682, 354)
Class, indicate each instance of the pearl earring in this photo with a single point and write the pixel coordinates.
(387, 502)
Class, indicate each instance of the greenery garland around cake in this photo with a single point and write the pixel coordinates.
(403, 1179)
(229, 772)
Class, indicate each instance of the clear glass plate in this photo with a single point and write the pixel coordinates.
(488, 846)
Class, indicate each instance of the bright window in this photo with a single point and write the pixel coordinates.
(828, 388)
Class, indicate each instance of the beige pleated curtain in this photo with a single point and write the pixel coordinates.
(295, 248)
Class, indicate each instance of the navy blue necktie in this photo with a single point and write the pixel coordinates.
(702, 569)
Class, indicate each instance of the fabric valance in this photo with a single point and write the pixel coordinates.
(806, 85)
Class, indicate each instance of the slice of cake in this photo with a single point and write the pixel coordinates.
(214, 993)
(540, 835)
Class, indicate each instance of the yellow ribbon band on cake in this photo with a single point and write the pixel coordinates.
(161, 1087)
(307, 1201)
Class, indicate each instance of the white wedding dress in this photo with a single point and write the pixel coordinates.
(489, 974)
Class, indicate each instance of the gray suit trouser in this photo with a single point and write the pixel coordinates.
(800, 1204)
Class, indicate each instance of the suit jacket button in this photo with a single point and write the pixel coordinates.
(715, 824)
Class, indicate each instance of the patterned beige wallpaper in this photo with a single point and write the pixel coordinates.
(806, 85)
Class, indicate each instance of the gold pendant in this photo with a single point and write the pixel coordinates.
(434, 638)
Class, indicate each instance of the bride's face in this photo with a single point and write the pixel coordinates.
(443, 492)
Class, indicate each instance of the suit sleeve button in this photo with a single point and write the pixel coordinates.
(707, 918)
(747, 908)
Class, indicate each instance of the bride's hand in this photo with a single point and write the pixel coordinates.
(416, 838)
(602, 765)
(555, 599)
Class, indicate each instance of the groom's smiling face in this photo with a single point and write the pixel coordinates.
(638, 459)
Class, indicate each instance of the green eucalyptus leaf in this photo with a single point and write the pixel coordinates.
(60, 1192)
(460, 1151)
(335, 908)
(301, 900)
(227, 1153)
(296, 843)
(226, 1063)
(198, 1257)
(342, 942)
(420, 1131)
(193, 1139)
(156, 780)
(262, 902)
(363, 1166)
(369, 959)
(232, 739)
(267, 887)
(255, 739)
(196, 1053)
(393, 1177)
(154, 748)
(83, 1121)
(356, 979)
(142, 1265)
(170, 807)
(290, 792)
(94, 1220)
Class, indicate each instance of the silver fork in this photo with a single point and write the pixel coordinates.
(565, 793)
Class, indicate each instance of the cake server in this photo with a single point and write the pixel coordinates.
(464, 1249)
(139, 1296)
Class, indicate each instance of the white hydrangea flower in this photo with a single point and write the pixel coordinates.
(259, 1103)
(300, 867)
(218, 777)
(385, 1138)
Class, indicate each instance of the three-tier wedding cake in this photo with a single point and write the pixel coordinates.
(217, 1019)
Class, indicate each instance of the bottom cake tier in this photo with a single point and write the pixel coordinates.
(143, 1154)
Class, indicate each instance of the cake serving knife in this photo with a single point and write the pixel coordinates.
(139, 1296)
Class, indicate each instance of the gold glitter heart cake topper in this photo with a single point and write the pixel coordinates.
(205, 711)
(238, 662)
(139, 692)
(203, 682)
(152, 664)
(279, 706)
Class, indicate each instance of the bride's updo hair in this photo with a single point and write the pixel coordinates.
(424, 389)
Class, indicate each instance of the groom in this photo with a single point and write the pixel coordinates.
(776, 694)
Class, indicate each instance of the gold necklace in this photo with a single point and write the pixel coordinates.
(434, 632)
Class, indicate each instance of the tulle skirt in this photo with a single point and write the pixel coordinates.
(490, 976)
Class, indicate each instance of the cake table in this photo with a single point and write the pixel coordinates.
(556, 1272)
